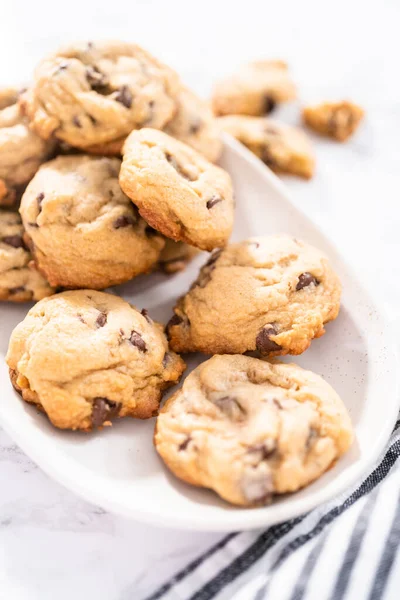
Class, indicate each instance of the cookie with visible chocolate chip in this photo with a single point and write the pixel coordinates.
(283, 148)
(250, 430)
(175, 256)
(83, 230)
(21, 150)
(270, 294)
(19, 279)
(85, 357)
(337, 120)
(254, 89)
(95, 93)
(178, 191)
(195, 125)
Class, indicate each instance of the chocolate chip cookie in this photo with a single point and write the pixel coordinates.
(83, 230)
(282, 148)
(178, 191)
(96, 93)
(19, 279)
(249, 429)
(270, 294)
(21, 150)
(86, 358)
(337, 120)
(254, 89)
(175, 256)
(194, 124)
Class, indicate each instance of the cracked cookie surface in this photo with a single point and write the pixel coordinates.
(86, 357)
(249, 429)
(270, 294)
(19, 279)
(83, 230)
(21, 150)
(283, 148)
(337, 120)
(254, 89)
(178, 191)
(97, 93)
(195, 125)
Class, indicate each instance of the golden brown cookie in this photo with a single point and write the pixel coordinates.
(194, 124)
(86, 357)
(177, 191)
(21, 150)
(20, 281)
(83, 230)
(254, 89)
(249, 429)
(92, 94)
(282, 148)
(337, 120)
(270, 294)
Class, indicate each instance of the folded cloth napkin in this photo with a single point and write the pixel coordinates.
(347, 549)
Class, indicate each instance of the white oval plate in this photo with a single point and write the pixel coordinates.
(118, 467)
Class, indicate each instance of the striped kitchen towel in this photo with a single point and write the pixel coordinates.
(347, 549)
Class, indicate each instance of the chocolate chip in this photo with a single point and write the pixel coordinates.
(269, 104)
(101, 319)
(145, 313)
(213, 201)
(82, 320)
(175, 320)
(306, 279)
(77, 122)
(104, 410)
(39, 199)
(313, 434)
(123, 221)
(62, 66)
(267, 157)
(195, 125)
(265, 450)
(264, 344)
(15, 241)
(17, 290)
(185, 443)
(166, 360)
(94, 121)
(178, 168)
(33, 225)
(277, 403)
(231, 407)
(137, 340)
(124, 96)
(95, 78)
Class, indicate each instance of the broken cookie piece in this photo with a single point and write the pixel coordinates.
(337, 120)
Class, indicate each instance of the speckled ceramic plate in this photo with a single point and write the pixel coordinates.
(118, 467)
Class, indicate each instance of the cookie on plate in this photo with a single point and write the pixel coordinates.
(254, 89)
(175, 256)
(337, 120)
(249, 429)
(21, 150)
(19, 279)
(283, 148)
(83, 230)
(270, 294)
(178, 191)
(85, 357)
(195, 125)
(96, 93)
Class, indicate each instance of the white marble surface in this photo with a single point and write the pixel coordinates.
(52, 544)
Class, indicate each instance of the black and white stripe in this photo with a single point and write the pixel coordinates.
(245, 565)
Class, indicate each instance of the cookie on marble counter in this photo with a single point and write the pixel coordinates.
(270, 294)
(83, 230)
(21, 150)
(177, 191)
(250, 430)
(195, 125)
(337, 120)
(95, 93)
(254, 89)
(86, 357)
(283, 148)
(20, 281)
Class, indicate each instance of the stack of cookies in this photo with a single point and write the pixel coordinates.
(113, 160)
